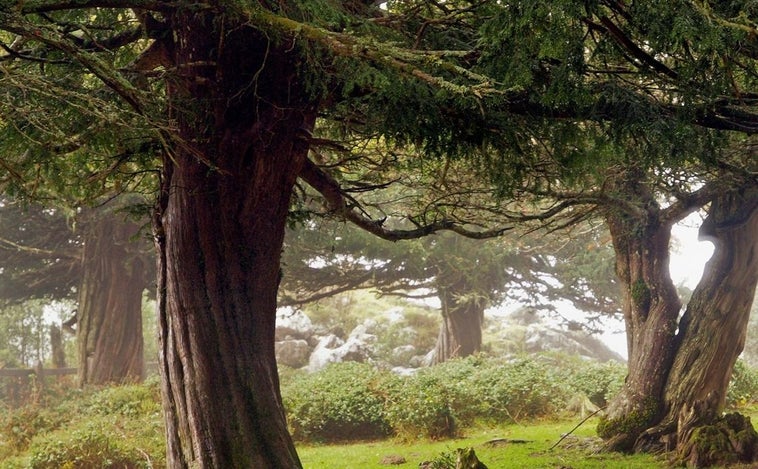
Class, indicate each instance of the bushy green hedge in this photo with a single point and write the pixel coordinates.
(351, 400)
(599, 382)
(85, 447)
(420, 407)
(122, 426)
(343, 401)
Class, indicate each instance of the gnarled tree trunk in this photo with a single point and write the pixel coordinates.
(219, 233)
(712, 335)
(461, 331)
(679, 370)
(109, 318)
(651, 307)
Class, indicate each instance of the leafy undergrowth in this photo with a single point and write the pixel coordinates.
(346, 401)
(122, 427)
(114, 427)
(509, 446)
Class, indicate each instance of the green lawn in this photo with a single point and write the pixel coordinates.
(575, 451)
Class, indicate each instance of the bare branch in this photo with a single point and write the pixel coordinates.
(336, 199)
(43, 253)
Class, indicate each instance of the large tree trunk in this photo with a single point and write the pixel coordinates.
(651, 307)
(109, 318)
(712, 331)
(461, 330)
(219, 234)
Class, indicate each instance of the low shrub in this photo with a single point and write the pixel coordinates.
(458, 377)
(20, 426)
(343, 401)
(743, 386)
(599, 382)
(419, 407)
(510, 390)
(89, 447)
(117, 426)
(352, 400)
(127, 400)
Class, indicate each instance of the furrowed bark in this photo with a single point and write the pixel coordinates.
(651, 307)
(109, 319)
(219, 232)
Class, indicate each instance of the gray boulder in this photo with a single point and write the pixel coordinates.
(292, 352)
(331, 349)
(324, 353)
(403, 354)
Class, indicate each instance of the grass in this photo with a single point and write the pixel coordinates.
(576, 451)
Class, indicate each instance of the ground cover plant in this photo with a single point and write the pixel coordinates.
(512, 412)
(103, 427)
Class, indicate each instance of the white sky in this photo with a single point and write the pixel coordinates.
(688, 255)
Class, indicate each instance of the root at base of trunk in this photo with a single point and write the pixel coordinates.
(727, 440)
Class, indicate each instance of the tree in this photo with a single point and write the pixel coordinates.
(243, 85)
(467, 276)
(714, 326)
(641, 238)
(97, 264)
(668, 56)
(109, 317)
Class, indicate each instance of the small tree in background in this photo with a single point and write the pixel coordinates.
(95, 260)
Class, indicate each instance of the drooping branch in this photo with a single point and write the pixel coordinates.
(355, 283)
(337, 201)
(101, 69)
(43, 6)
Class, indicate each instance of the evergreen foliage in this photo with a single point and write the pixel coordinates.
(324, 258)
(41, 253)
(552, 105)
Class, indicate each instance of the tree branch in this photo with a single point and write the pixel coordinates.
(40, 253)
(94, 64)
(624, 41)
(696, 200)
(336, 200)
(355, 283)
(43, 6)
